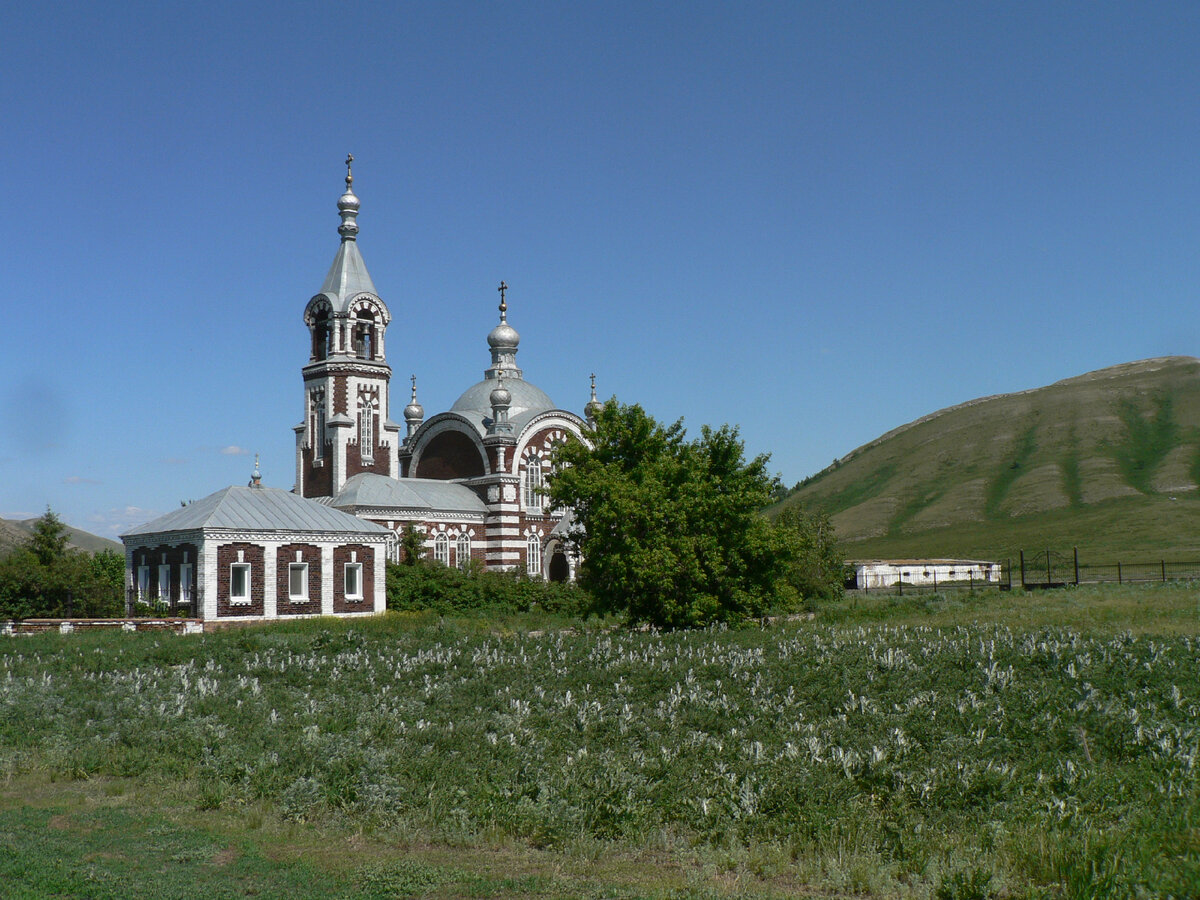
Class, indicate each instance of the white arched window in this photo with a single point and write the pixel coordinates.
(533, 481)
(366, 432)
(441, 548)
(462, 550)
(533, 555)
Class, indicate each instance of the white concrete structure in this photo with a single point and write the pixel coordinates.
(881, 573)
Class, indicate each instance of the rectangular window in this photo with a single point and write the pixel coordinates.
(164, 582)
(298, 582)
(239, 583)
(354, 586)
(185, 583)
(143, 582)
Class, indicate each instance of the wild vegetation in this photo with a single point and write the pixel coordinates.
(45, 577)
(1108, 462)
(931, 745)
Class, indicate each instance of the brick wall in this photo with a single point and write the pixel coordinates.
(227, 555)
(342, 556)
(284, 557)
(450, 455)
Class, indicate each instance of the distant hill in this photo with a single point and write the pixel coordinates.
(1108, 461)
(14, 532)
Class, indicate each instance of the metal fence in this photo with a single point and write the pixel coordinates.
(1049, 569)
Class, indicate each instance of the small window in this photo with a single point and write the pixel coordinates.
(143, 582)
(354, 586)
(441, 549)
(185, 583)
(318, 439)
(298, 582)
(239, 583)
(533, 555)
(462, 550)
(366, 436)
(164, 582)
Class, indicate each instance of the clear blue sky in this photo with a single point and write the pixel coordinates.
(815, 221)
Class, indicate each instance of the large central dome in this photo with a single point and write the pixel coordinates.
(526, 398)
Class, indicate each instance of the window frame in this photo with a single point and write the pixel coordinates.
(441, 548)
(244, 567)
(533, 555)
(357, 569)
(462, 550)
(302, 596)
(534, 479)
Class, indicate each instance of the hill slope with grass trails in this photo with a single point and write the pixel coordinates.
(1108, 461)
(14, 533)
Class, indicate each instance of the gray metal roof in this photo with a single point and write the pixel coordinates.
(370, 490)
(347, 277)
(257, 509)
(527, 401)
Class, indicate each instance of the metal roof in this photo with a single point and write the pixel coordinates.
(527, 401)
(370, 490)
(347, 277)
(257, 509)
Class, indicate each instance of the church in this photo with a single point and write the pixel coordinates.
(469, 479)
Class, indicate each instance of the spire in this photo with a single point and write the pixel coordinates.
(503, 341)
(592, 410)
(414, 413)
(348, 206)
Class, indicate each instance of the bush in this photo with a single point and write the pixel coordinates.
(426, 585)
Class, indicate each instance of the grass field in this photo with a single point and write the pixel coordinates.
(994, 745)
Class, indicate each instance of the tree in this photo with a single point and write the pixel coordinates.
(669, 529)
(818, 567)
(48, 541)
(412, 546)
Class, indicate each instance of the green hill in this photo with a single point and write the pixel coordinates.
(14, 532)
(1108, 462)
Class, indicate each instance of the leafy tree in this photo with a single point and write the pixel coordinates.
(670, 529)
(412, 546)
(818, 566)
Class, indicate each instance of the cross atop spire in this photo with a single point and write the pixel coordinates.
(503, 305)
(349, 174)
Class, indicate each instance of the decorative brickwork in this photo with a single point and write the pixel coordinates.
(285, 556)
(227, 555)
(351, 553)
(341, 398)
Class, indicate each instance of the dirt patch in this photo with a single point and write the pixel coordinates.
(224, 858)
(59, 823)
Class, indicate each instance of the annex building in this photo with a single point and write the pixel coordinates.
(468, 478)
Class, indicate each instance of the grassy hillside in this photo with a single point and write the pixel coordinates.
(13, 533)
(1108, 461)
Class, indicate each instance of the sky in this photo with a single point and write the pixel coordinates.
(815, 221)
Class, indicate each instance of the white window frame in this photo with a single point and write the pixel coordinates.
(143, 582)
(243, 567)
(352, 580)
(366, 432)
(534, 478)
(185, 583)
(533, 554)
(441, 548)
(164, 575)
(462, 550)
(302, 595)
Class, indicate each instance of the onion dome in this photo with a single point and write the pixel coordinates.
(348, 206)
(592, 410)
(503, 337)
(256, 475)
(500, 399)
(414, 413)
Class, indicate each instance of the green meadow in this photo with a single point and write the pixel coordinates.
(986, 745)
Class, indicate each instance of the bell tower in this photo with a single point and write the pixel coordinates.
(346, 428)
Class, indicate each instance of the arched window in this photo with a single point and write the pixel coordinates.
(533, 555)
(533, 481)
(441, 548)
(462, 550)
(366, 431)
(318, 438)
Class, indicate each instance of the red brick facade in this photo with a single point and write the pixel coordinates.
(227, 555)
(284, 557)
(451, 454)
(350, 553)
(173, 556)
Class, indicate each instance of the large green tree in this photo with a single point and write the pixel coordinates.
(670, 529)
(817, 568)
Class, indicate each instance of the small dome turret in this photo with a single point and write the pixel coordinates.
(348, 206)
(593, 407)
(414, 413)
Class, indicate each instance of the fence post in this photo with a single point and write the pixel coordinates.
(1049, 577)
(1076, 566)
(1164, 570)
(1119, 572)
(971, 576)
(1022, 569)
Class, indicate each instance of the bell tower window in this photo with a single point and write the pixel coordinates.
(318, 436)
(366, 430)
